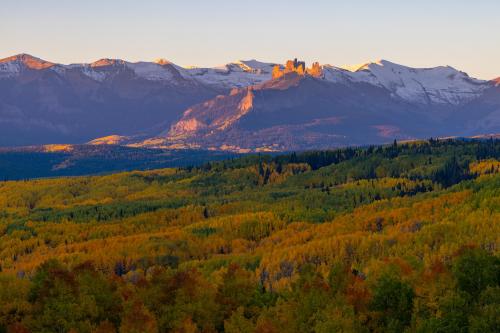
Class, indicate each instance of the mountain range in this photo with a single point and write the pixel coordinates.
(242, 106)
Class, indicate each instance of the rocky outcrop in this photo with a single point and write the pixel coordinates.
(297, 67)
(315, 70)
(291, 66)
(213, 116)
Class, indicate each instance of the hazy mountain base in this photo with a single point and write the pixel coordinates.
(77, 160)
(382, 239)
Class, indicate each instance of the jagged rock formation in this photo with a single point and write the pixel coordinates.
(298, 67)
(316, 70)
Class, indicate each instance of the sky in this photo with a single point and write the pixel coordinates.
(424, 33)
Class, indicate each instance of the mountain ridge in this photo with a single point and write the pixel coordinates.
(254, 70)
(252, 66)
(238, 106)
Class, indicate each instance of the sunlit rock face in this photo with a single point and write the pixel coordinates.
(13, 65)
(297, 67)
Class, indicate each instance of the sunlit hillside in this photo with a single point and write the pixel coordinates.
(404, 237)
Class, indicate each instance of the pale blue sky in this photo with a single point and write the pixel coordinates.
(462, 33)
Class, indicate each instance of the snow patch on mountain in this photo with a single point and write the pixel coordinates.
(9, 69)
(93, 74)
(151, 71)
(238, 74)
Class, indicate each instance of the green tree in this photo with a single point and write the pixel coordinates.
(487, 315)
(453, 310)
(475, 270)
(393, 303)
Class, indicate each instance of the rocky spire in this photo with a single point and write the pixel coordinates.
(299, 67)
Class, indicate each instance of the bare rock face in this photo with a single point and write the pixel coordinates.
(277, 72)
(213, 116)
(291, 66)
(315, 70)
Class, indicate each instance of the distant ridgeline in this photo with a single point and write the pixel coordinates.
(299, 67)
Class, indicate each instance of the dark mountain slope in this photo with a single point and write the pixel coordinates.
(302, 112)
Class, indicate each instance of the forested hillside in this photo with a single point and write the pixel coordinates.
(404, 237)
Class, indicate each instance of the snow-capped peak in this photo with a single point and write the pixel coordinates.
(99, 70)
(442, 85)
(107, 62)
(12, 66)
(362, 66)
(28, 61)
